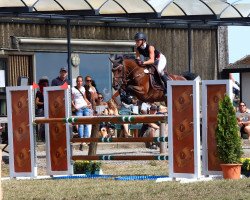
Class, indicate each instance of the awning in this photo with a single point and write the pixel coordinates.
(144, 10)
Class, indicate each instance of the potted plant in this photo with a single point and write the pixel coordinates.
(245, 169)
(87, 167)
(229, 145)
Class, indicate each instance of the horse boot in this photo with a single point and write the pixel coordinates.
(165, 79)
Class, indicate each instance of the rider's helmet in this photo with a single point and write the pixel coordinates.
(140, 36)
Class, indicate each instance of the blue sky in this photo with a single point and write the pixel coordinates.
(238, 43)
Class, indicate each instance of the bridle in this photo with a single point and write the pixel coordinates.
(124, 77)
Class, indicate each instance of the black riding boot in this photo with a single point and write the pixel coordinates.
(165, 79)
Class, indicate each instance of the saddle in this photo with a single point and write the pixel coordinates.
(155, 78)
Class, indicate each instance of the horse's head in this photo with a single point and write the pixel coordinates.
(118, 73)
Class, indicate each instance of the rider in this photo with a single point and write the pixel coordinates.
(152, 55)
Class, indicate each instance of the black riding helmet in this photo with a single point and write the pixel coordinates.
(140, 36)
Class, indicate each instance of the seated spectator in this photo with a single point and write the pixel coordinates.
(113, 110)
(99, 100)
(243, 117)
(100, 105)
(151, 129)
(145, 108)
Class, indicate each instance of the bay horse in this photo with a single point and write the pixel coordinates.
(140, 81)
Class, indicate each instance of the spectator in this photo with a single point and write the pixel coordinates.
(61, 79)
(43, 82)
(91, 94)
(243, 117)
(145, 108)
(113, 110)
(151, 129)
(99, 101)
(100, 105)
(82, 107)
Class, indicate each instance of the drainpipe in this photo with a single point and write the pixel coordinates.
(69, 51)
(189, 48)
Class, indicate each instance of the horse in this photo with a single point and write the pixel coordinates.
(142, 82)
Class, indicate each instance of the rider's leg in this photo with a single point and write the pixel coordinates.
(165, 79)
(161, 66)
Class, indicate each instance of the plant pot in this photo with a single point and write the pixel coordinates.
(231, 171)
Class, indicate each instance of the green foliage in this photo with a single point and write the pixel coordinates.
(245, 168)
(86, 167)
(229, 145)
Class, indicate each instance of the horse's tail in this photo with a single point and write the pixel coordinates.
(189, 75)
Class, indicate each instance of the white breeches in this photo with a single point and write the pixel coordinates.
(162, 63)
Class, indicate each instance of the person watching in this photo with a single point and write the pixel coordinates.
(82, 107)
(243, 117)
(151, 129)
(61, 79)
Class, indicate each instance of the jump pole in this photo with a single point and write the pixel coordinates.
(110, 157)
(98, 119)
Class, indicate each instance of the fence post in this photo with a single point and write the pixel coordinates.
(163, 148)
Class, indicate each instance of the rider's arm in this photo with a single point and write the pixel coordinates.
(151, 59)
(137, 54)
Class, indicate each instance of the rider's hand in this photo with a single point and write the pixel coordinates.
(139, 62)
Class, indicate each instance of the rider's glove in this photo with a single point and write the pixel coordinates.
(139, 62)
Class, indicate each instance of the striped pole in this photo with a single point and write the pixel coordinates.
(99, 119)
(109, 157)
(139, 139)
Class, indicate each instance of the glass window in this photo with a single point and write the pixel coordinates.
(243, 9)
(172, 10)
(47, 5)
(96, 4)
(96, 65)
(12, 3)
(74, 5)
(194, 7)
(3, 110)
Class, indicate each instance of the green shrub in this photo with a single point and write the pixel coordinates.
(245, 168)
(86, 167)
(229, 145)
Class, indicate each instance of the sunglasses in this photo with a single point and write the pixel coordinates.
(88, 80)
(100, 97)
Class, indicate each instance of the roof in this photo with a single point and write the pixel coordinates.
(242, 65)
(164, 10)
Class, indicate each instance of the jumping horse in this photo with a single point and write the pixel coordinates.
(141, 81)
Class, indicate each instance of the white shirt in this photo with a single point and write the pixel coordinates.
(77, 97)
(244, 117)
(145, 107)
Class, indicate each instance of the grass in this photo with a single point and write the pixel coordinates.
(113, 189)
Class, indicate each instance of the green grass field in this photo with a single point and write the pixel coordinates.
(113, 189)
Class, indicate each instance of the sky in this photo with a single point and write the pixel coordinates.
(238, 40)
(238, 43)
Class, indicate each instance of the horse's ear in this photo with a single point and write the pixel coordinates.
(111, 60)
